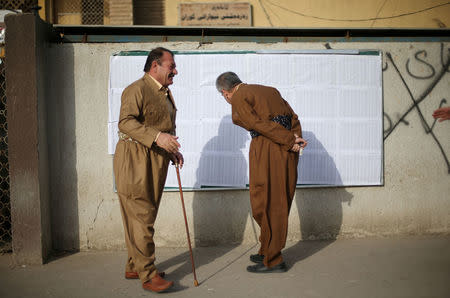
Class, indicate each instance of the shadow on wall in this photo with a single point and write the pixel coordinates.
(219, 217)
(219, 220)
(62, 150)
(319, 210)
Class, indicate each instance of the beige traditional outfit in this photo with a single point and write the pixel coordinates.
(140, 167)
(273, 168)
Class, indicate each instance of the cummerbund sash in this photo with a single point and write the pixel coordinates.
(284, 120)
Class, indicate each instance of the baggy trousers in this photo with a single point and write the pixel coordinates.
(273, 177)
(140, 175)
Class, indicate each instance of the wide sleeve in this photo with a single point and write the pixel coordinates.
(296, 127)
(130, 115)
(245, 116)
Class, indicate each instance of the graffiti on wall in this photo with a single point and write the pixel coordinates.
(429, 73)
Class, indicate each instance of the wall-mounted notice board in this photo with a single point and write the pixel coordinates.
(336, 93)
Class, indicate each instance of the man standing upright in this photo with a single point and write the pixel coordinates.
(147, 143)
(276, 141)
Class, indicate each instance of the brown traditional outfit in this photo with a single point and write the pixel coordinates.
(273, 168)
(140, 167)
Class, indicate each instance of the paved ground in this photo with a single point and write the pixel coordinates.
(363, 268)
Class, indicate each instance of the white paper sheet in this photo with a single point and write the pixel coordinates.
(338, 98)
(113, 136)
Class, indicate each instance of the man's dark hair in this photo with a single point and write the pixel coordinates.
(227, 81)
(155, 55)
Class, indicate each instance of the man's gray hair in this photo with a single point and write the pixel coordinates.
(227, 81)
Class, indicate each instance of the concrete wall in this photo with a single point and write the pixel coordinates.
(414, 200)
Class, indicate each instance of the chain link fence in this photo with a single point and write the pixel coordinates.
(23, 5)
(5, 206)
(93, 12)
(85, 12)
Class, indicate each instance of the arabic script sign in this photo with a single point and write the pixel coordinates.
(215, 14)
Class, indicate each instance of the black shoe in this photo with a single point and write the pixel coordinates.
(260, 268)
(257, 258)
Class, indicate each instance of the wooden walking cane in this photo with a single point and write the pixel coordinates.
(187, 228)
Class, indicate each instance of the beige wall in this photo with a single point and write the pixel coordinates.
(291, 13)
(413, 201)
(287, 13)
